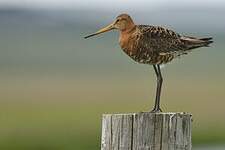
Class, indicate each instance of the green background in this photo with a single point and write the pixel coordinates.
(54, 85)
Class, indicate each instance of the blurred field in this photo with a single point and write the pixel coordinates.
(57, 113)
(55, 85)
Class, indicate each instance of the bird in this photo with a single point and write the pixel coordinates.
(152, 45)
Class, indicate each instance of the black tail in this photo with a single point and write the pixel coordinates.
(192, 42)
(207, 40)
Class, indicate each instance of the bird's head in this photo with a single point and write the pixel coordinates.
(123, 22)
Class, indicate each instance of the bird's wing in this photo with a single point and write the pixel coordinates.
(159, 39)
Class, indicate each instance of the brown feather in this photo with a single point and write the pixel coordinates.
(159, 43)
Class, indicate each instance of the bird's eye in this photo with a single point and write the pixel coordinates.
(117, 20)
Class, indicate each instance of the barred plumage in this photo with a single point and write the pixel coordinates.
(158, 45)
(152, 45)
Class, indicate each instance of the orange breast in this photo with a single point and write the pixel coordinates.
(127, 43)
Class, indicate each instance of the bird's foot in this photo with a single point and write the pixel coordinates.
(156, 110)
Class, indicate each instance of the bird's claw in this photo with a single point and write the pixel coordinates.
(156, 110)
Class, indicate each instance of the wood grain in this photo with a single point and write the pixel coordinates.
(146, 131)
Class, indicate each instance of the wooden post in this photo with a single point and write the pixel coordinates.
(146, 131)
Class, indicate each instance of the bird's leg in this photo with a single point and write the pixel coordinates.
(158, 91)
(159, 87)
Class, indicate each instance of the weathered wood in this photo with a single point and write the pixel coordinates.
(146, 131)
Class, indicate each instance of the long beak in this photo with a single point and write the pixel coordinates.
(105, 29)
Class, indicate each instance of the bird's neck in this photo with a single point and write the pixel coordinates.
(125, 34)
(125, 37)
(129, 30)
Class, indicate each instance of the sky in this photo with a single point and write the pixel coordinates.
(106, 4)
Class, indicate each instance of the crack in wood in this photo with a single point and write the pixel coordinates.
(146, 131)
